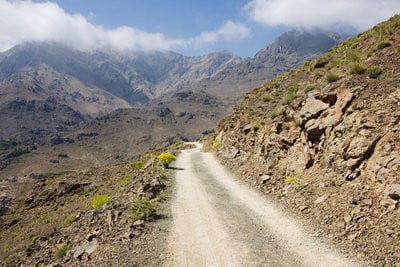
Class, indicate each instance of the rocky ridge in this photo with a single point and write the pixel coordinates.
(323, 140)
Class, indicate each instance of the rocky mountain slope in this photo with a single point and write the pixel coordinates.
(323, 140)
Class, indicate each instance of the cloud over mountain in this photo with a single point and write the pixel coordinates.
(23, 21)
(360, 14)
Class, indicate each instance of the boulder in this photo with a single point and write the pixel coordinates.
(86, 247)
(321, 199)
(311, 110)
(394, 192)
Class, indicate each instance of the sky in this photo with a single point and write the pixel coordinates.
(190, 27)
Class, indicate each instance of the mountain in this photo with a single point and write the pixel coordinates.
(48, 91)
(114, 80)
(323, 140)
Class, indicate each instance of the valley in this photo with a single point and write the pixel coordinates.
(67, 110)
(287, 158)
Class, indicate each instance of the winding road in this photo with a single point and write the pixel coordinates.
(219, 221)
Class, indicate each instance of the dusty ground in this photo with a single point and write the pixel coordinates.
(219, 221)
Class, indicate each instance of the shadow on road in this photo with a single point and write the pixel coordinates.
(176, 168)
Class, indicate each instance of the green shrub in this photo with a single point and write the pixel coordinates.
(63, 155)
(318, 75)
(290, 96)
(267, 98)
(124, 182)
(62, 251)
(307, 64)
(309, 88)
(332, 77)
(69, 220)
(138, 164)
(353, 56)
(216, 143)
(100, 200)
(162, 177)
(357, 68)
(163, 196)
(291, 179)
(276, 113)
(143, 209)
(166, 158)
(383, 44)
(374, 72)
(206, 149)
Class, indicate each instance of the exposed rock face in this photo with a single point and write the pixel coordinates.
(332, 151)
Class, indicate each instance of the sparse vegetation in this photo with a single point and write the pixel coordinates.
(318, 75)
(383, 44)
(354, 56)
(166, 158)
(99, 201)
(309, 88)
(3, 211)
(267, 98)
(143, 209)
(49, 175)
(124, 182)
(17, 153)
(61, 252)
(291, 179)
(374, 72)
(163, 196)
(69, 220)
(5, 145)
(138, 164)
(216, 143)
(206, 148)
(357, 68)
(332, 77)
(63, 155)
(290, 95)
(276, 113)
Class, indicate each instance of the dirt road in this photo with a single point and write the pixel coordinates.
(219, 221)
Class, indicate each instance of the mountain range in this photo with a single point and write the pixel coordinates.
(49, 90)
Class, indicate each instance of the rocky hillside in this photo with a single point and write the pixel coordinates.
(114, 215)
(324, 141)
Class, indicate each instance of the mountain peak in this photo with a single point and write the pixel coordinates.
(301, 42)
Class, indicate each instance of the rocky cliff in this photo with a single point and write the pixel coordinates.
(324, 140)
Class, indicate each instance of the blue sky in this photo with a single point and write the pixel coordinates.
(190, 27)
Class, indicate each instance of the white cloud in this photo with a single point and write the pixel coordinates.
(230, 31)
(22, 21)
(360, 14)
